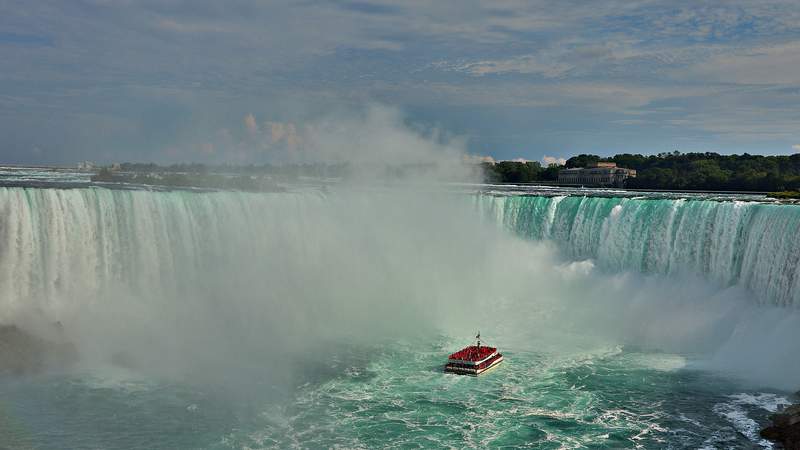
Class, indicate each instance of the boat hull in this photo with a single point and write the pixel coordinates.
(458, 368)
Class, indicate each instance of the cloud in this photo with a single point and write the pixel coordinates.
(31, 40)
(280, 132)
(529, 64)
(372, 134)
(547, 160)
(183, 27)
(796, 147)
(369, 8)
(746, 65)
(207, 148)
(477, 159)
(250, 124)
(562, 59)
(544, 72)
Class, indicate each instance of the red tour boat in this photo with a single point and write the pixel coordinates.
(473, 360)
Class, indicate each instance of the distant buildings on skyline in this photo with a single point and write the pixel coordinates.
(599, 174)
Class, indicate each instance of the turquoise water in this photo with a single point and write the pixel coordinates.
(309, 320)
(732, 242)
(396, 396)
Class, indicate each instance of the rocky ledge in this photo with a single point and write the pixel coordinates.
(21, 352)
(785, 428)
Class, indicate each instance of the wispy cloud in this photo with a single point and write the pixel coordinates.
(535, 75)
(749, 66)
(25, 39)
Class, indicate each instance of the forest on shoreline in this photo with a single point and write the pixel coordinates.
(672, 171)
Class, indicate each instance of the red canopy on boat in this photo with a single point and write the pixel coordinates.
(473, 353)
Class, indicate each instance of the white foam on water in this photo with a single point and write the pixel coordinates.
(764, 400)
(661, 362)
(736, 412)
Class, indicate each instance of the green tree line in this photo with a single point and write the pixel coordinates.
(677, 171)
(519, 172)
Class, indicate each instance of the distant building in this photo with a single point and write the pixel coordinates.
(601, 174)
(86, 165)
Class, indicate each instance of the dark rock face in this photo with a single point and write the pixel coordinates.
(23, 353)
(785, 428)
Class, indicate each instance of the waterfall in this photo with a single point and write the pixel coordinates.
(754, 245)
(209, 285)
(204, 271)
(62, 247)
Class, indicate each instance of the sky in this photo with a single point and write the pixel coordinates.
(243, 81)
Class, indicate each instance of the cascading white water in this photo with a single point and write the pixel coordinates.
(218, 275)
(57, 245)
(754, 245)
(192, 283)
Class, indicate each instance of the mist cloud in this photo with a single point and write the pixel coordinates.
(288, 276)
(250, 124)
(373, 136)
(547, 160)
